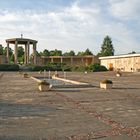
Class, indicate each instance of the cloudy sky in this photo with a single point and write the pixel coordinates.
(73, 24)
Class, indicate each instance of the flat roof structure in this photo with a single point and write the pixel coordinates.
(120, 56)
(126, 62)
(22, 41)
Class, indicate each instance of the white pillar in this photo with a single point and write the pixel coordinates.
(28, 52)
(34, 53)
(25, 55)
(7, 52)
(61, 59)
(71, 61)
(15, 52)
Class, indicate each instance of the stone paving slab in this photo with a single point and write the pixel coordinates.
(118, 138)
(26, 113)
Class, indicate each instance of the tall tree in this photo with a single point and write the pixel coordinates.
(107, 47)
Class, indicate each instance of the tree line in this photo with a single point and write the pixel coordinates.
(107, 49)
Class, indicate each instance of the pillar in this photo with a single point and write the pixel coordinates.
(82, 60)
(25, 55)
(34, 53)
(61, 59)
(28, 52)
(52, 59)
(7, 53)
(71, 61)
(15, 52)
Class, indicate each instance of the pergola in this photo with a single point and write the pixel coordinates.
(27, 43)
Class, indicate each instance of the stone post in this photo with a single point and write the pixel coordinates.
(61, 59)
(15, 53)
(34, 53)
(71, 61)
(28, 52)
(25, 55)
(52, 59)
(7, 52)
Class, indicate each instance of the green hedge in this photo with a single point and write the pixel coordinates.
(97, 68)
(9, 67)
(51, 67)
(80, 68)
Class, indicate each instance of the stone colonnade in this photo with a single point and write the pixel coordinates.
(71, 60)
(27, 43)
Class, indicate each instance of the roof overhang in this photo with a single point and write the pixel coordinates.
(120, 56)
(20, 41)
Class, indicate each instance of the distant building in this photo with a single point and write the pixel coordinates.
(70, 60)
(127, 63)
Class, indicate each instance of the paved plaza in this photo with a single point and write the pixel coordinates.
(70, 113)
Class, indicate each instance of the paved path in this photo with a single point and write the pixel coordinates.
(71, 114)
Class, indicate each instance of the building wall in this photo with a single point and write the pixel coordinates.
(70, 60)
(2, 59)
(128, 64)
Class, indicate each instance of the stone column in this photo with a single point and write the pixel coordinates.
(52, 59)
(34, 53)
(28, 52)
(71, 61)
(7, 52)
(82, 60)
(15, 52)
(25, 55)
(61, 59)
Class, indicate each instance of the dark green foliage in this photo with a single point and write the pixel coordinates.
(51, 67)
(56, 53)
(86, 52)
(36, 68)
(1, 50)
(71, 53)
(107, 81)
(107, 47)
(80, 68)
(9, 67)
(97, 68)
(45, 53)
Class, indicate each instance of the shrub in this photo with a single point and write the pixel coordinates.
(43, 83)
(80, 68)
(36, 68)
(97, 67)
(107, 81)
(9, 67)
(51, 67)
(66, 68)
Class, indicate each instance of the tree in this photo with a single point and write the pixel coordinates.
(10, 51)
(56, 53)
(80, 53)
(107, 47)
(45, 53)
(71, 53)
(86, 52)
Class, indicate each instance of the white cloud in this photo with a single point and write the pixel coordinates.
(71, 28)
(125, 9)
